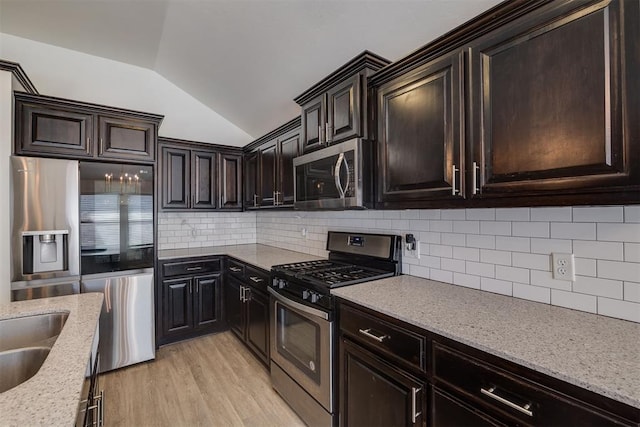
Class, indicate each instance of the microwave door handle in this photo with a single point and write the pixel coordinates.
(346, 166)
(336, 175)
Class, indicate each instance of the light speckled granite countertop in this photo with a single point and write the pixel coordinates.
(598, 353)
(51, 396)
(262, 256)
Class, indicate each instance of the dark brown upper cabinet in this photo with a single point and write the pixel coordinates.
(335, 109)
(420, 140)
(55, 127)
(230, 181)
(269, 167)
(197, 176)
(551, 110)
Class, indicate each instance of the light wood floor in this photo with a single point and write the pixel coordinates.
(207, 381)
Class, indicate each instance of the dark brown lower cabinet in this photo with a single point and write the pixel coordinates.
(247, 309)
(377, 393)
(189, 299)
(447, 411)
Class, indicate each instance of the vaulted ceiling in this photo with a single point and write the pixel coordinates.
(245, 59)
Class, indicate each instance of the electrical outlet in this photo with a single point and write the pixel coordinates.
(411, 247)
(564, 266)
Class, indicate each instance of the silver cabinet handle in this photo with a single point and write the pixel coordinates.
(320, 135)
(454, 190)
(255, 279)
(247, 294)
(336, 175)
(193, 268)
(88, 141)
(524, 409)
(241, 293)
(475, 172)
(367, 333)
(327, 136)
(414, 413)
(255, 200)
(235, 269)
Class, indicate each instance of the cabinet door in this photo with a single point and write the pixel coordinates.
(313, 123)
(126, 139)
(208, 304)
(268, 165)
(53, 131)
(288, 149)
(234, 306)
(551, 111)
(447, 411)
(177, 304)
(343, 110)
(176, 178)
(419, 124)
(375, 393)
(258, 323)
(203, 183)
(251, 184)
(230, 181)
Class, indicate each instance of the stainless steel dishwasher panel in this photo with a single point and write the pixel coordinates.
(127, 333)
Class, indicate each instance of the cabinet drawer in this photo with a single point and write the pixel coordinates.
(509, 396)
(182, 268)
(395, 341)
(235, 268)
(256, 278)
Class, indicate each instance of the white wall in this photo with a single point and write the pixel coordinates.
(69, 74)
(6, 138)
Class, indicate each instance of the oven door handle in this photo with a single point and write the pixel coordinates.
(296, 305)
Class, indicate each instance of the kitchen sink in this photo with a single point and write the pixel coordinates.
(31, 331)
(17, 366)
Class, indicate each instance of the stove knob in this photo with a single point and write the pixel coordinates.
(281, 284)
(315, 297)
(305, 294)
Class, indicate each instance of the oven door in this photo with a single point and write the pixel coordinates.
(330, 178)
(301, 344)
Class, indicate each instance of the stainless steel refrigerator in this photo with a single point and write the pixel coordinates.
(116, 257)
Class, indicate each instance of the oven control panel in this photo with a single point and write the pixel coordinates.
(301, 293)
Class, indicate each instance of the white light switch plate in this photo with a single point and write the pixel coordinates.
(563, 266)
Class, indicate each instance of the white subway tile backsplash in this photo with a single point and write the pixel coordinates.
(620, 309)
(467, 254)
(491, 256)
(599, 250)
(481, 241)
(598, 214)
(530, 229)
(632, 252)
(545, 279)
(512, 274)
(574, 300)
(632, 213)
(513, 214)
(532, 293)
(515, 244)
(632, 291)
(498, 250)
(598, 287)
(453, 239)
(466, 280)
(496, 286)
(547, 246)
(619, 232)
(488, 214)
(497, 228)
(531, 261)
(441, 275)
(551, 214)
(628, 271)
(472, 227)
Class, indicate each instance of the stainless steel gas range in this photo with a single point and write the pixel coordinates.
(303, 318)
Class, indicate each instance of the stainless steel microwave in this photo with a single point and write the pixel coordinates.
(335, 177)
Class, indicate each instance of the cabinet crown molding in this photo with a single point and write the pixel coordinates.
(281, 130)
(361, 62)
(19, 74)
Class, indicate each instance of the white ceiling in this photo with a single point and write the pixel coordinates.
(245, 59)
